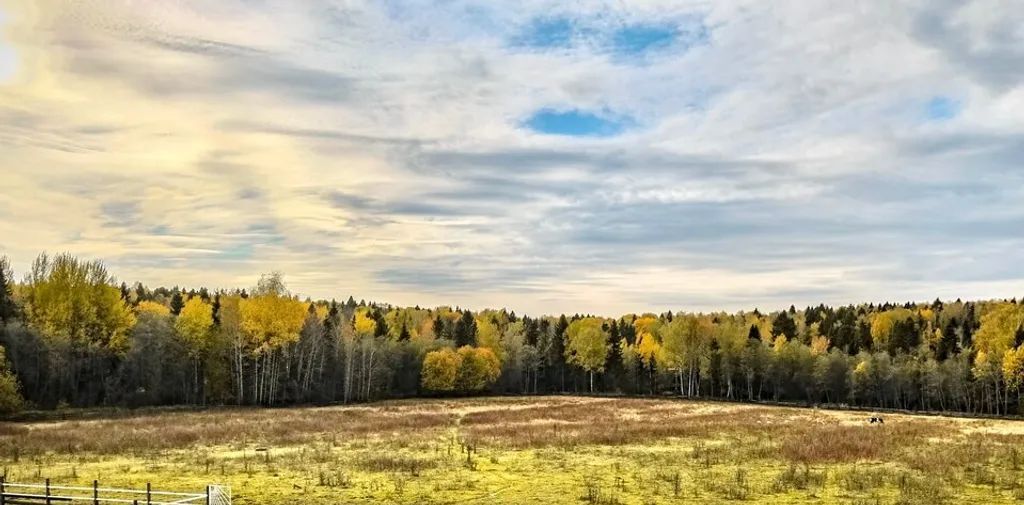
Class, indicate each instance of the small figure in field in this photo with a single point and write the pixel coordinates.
(876, 419)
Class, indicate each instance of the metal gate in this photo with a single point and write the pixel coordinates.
(48, 494)
(218, 495)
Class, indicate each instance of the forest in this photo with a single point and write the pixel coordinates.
(72, 336)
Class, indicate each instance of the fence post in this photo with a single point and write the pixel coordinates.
(208, 494)
(149, 494)
(95, 492)
(47, 491)
(3, 490)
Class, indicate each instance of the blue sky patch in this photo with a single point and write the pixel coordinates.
(630, 40)
(941, 108)
(575, 123)
(638, 39)
(546, 33)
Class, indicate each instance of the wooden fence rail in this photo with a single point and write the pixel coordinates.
(12, 493)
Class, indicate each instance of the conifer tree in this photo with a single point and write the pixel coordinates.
(465, 330)
(7, 307)
(177, 302)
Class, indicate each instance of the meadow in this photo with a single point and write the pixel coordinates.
(555, 449)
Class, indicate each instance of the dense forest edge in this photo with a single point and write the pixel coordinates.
(71, 336)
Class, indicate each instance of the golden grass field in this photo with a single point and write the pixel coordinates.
(532, 450)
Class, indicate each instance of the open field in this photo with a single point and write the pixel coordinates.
(533, 450)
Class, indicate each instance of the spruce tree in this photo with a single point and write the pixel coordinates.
(439, 329)
(556, 354)
(381, 329)
(140, 293)
(967, 327)
(7, 307)
(784, 325)
(177, 302)
(947, 345)
(627, 332)
(216, 309)
(613, 367)
(531, 331)
(465, 330)
(330, 322)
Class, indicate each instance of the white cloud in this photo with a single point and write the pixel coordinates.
(376, 148)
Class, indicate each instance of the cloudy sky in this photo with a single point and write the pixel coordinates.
(553, 156)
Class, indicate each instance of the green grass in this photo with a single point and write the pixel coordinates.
(532, 450)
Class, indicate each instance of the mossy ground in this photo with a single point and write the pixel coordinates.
(532, 450)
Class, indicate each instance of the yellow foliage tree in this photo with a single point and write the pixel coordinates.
(648, 349)
(363, 323)
(647, 323)
(75, 302)
(860, 379)
(478, 370)
(488, 336)
(684, 344)
(779, 344)
(441, 370)
(271, 321)
(999, 325)
(154, 308)
(425, 331)
(193, 325)
(586, 345)
(1013, 369)
(882, 324)
(819, 343)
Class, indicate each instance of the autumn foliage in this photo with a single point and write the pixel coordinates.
(467, 370)
(72, 336)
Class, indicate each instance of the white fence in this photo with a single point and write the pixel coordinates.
(12, 493)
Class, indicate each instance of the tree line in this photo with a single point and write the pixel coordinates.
(71, 336)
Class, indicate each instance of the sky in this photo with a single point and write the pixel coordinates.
(545, 156)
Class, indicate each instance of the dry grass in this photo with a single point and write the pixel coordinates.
(530, 450)
(241, 427)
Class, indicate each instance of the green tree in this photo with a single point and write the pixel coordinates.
(177, 302)
(784, 325)
(8, 309)
(613, 365)
(465, 330)
(10, 392)
(947, 344)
